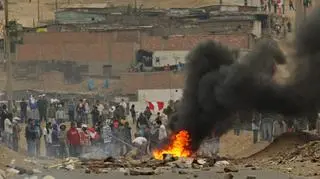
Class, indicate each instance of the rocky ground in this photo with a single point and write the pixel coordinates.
(293, 154)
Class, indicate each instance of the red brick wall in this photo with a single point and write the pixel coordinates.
(77, 46)
(188, 42)
(131, 82)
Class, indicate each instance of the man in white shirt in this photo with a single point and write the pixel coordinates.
(162, 131)
(141, 143)
(100, 107)
(124, 105)
(8, 130)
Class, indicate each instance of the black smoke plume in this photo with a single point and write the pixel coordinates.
(217, 85)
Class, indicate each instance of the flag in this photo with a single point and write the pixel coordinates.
(156, 106)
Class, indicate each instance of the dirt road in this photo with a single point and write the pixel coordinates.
(242, 174)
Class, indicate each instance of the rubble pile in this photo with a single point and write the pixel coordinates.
(307, 152)
(129, 166)
(301, 160)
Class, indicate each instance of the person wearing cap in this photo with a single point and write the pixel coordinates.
(84, 139)
(15, 133)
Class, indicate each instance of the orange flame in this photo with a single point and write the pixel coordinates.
(179, 146)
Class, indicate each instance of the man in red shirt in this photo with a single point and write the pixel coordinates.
(74, 140)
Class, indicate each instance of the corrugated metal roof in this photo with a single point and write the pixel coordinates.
(91, 5)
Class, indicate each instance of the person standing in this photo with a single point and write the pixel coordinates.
(95, 115)
(318, 125)
(147, 113)
(142, 124)
(38, 137)
(55, 140)
(276, 128)
(42, 108)
(255, 126)
(63, 151)
(23, 110)
(15, 134)
(100, 108)
(162, 131)
(33, 107)
(60, 114)
(3, 117)
(86, 111)
(123, 104)
(30, 134)
(85, 141)
(107, 138)
(237, 125)
(80, 111)
(266, 125)
(71, 111)
(133, 113)
(8, 130)
(47, 136)
(74, 140)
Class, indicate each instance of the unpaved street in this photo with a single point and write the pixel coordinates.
(242, 174)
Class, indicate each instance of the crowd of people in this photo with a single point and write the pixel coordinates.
(71, 129)
(268, 126)
(278, 6)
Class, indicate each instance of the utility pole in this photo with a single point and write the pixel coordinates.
(8, 56)
(38, 10)
(300, 12)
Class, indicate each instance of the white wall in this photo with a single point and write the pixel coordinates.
(154, 95)
(241, 2)
(169, 57)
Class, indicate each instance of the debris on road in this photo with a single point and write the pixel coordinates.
(228, 176)
(136, 172)
(230, 169)
(251, 177)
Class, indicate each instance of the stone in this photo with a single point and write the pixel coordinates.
(2, 173)
(87, 170)
(251, 177)
(195, 176)
(201, 161)
(136, 172)
(228, 176)
(182, 172)
(248, 165)
(230, 169)
(48, 177)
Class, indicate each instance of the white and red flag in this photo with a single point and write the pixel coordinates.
(156, 106)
